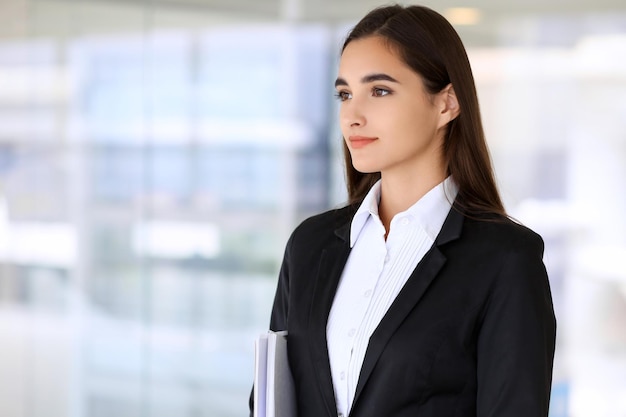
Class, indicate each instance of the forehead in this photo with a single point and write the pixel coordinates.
(371, 55)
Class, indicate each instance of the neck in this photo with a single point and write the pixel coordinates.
(399, 192)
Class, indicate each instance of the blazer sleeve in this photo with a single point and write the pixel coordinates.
(516, 338)
(280, 308)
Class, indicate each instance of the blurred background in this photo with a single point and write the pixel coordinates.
(156, 154)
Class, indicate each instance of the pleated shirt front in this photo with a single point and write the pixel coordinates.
(374, 274)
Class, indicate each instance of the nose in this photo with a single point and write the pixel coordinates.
(351, 115)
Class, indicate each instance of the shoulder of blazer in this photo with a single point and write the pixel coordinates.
(502, 232)
(324, 226)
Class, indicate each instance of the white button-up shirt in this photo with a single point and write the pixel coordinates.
(374, 274)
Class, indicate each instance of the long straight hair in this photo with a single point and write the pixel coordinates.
(428, 43)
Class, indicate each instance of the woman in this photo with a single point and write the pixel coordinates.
(420, 298)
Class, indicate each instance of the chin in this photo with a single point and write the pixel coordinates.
(365, 168)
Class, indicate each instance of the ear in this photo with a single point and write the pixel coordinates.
(448, 105)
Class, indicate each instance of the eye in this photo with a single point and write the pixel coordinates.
(343, 95)
(379, 92)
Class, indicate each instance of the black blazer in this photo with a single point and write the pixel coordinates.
(471, 333)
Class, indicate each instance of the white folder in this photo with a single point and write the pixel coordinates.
(274, 394)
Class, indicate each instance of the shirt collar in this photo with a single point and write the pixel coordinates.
(369, 207)
(430, 211)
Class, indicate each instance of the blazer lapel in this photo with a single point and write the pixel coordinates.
(417, 284)
(332, 262)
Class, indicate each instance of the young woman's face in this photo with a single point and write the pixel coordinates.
(388, 120)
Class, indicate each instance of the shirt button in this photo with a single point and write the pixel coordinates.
(387, 257)
(351, 332)
(342, 376)
(367, 293)
(405, 221)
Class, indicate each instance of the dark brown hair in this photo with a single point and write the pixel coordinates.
(428, 43)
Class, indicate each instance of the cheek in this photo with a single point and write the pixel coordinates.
(343, 133)
(423, 121)
(406, 113)
(403, 124)
(344, 124)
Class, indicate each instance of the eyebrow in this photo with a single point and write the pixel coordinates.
(368, 79)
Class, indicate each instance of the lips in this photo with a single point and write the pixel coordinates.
(357, 142)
